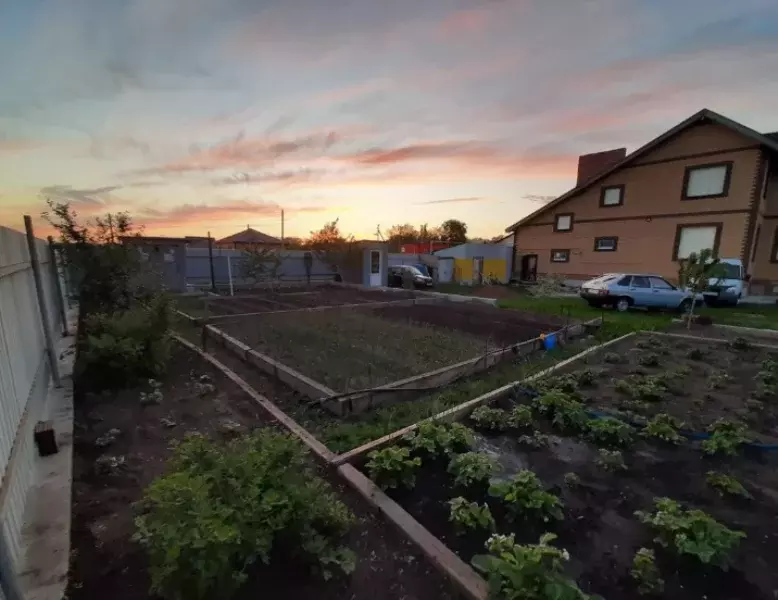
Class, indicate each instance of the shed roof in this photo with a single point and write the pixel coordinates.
(249, 236)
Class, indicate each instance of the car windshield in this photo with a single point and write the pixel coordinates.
(730, 271)
(414, 271)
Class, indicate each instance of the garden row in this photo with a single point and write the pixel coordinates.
(592, 481)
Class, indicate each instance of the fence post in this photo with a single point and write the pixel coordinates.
(210, 260)
(36, 273)
(58, 286)
(229, 274)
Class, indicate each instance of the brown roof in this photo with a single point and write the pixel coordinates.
(703, 115)
(249, 236)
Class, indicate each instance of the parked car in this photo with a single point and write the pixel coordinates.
(625, 290)
(420, 280)
(730, 287)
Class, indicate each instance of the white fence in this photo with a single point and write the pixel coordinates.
(25, 374)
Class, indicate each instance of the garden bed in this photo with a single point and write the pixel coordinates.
(106, 563)
(600, 491)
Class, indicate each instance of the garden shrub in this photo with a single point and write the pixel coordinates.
(393, 467)
(726, 437)
(471, 468)
(691, 532)
(609, 432)
(470, 515)
(439, 439)
(123, 347)
(521, 416)
(646, 574)
(527, 572)
(610, 460)
(220, 510)
(664, 427)
(564, 412)
(536, 440)
(524, 496)
(649, 359)
(643, 387)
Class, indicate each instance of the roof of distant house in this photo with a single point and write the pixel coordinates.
(249, 236)
(769, 140)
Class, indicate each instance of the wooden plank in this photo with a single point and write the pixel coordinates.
(706, 339)
(315, 445)
(409, 302)
(467, 581)
(459, 412)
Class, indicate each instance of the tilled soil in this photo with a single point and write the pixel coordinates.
(106, 563)
(600, 530)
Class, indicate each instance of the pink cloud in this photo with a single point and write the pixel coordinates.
(465, 22)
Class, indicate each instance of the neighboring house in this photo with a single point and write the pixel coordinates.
(469, 263)
(708, 182)
(423, 247)
(248, 238)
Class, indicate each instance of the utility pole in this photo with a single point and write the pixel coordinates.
(210, 260)
(282, 228)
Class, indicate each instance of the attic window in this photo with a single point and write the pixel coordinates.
(563, 222)
(707, 181)
(612, 195)
(606, 244)
(560, 256)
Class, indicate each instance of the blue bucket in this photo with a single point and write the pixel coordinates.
(549, 341)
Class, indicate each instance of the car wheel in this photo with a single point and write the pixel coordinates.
(623, 304)
(684, 306)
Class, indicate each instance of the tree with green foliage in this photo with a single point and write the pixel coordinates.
(695, 273)
(454, 231)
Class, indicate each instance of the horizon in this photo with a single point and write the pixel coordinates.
(210, 115)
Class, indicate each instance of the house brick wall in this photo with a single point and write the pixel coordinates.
(647, 222)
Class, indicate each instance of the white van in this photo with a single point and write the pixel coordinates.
(730, 288)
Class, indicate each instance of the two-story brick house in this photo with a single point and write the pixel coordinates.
(708, 182)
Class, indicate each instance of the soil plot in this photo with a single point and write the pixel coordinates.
(121, 445)
(588, 498)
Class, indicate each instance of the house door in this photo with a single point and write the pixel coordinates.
(529, 267)
(445, 270)
(376, 276)
(478, 270)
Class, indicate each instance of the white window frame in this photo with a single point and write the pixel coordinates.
(607, 190)
(613, 248)
(567, 255)
(702, 176)
(569, 227)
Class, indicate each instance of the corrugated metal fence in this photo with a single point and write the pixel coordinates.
(25, 374)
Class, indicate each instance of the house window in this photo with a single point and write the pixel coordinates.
(612, 195)
(560, 256)
(707, 181)
(695, 238)
(563, 222)
(606, 244)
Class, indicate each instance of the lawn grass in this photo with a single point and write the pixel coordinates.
(616, 323)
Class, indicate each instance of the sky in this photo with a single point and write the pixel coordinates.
(210, 115)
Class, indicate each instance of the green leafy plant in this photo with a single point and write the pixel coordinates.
(566, 384)
(524, 496)
(527, 572)
(610, 432)
(649, 388)
(587, 377)
(694, 275)
(436, 439)
(219, 510)
(610, 460)
(470, 515)
(393, 467)
(696, 354)
(572, 480)
(646, 574)
(521, 416)
(612, 358)
(740, 344)
(691, 532)
(752, 404)
(494, 419)
(649, 359)
(564, 412)
(726, 484)
(718, 380)
(726, 437)
(536, 440)
(471, 468)
(664, 427)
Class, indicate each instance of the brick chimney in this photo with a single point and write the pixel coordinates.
(593, 164)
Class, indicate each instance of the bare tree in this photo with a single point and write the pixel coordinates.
(695, 273)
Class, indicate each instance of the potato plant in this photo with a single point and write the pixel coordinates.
(726, 437)
(691, 532)
(665, 428)
(492, 419)
(609, 432)
(718, 380)
(439, 439)
(524, 496)
(649, 359)
(471, 468)
(521, 417)
(565, 412)
(651, 388)
(470, 515)
(393, 467)
(726, 484)
(646, 574)
(527, 572)
(610, 460)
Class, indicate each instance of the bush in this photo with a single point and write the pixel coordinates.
(220, 510)
(527, 572)
(123, 347)
(726, 438)
(521, 416)
(472, 467)
(664, 427)
(392, 467)
(609, 432)
(470, 515)
(645, 572)
(524, 496)
(610, 460)
(726, 484)
(493, 419)
(564, 412)
(435, 439)
(691, 532)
